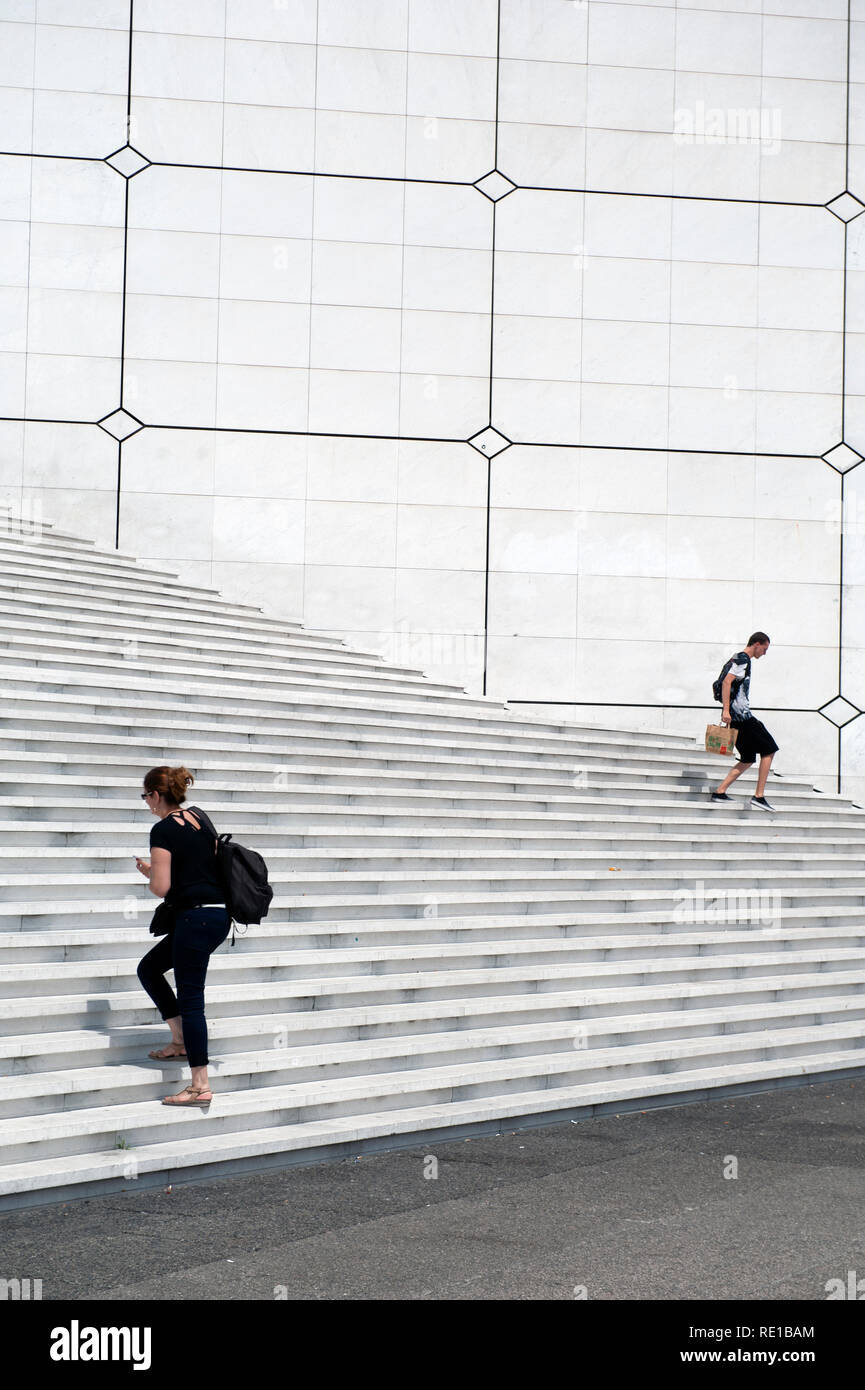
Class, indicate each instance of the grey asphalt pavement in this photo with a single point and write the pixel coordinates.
(635, 1206)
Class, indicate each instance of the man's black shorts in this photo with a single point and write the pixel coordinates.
(753, 739)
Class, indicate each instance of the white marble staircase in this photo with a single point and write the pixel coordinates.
(480, 919)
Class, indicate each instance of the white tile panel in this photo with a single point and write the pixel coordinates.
(548, 94)
(170, 393)
(271, 528)
(171, 328)
(546, 349)
(357, 273)
(348, 598)
(714, 41)
(257, 333)
(442, 407)
(446, 537)
(544, 29)
(269, 74)
(447, 147)
(272, 269)
(352, 470)
(448, 474)
(624, 480)
(363, 144)
(380, 24)
(804, 47)
(521, 668)
(172, 263)
(551, 479)
(78, 124)
(263, 398)
(271, 137)
(533, 541)
(16, 116)
(192, 17)
(542, 156)
(451, 26)
(80, 59)
(451, 87)
(640, 36)
(441, 600)
(534, 604)
(353, 401)
(640, 162)
(290, 21)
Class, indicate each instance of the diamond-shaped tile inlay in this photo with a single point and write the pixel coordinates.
(494, 185)
(842, 458)
(489, 442)
(839, 711)
(127, 161)
(120, 424)
(846, 206)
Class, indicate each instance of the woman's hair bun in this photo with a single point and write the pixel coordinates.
(170, 782)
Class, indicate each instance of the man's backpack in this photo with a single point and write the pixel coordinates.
(717, 685)
(243, 873)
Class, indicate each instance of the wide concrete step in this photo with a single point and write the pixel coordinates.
(73, 977)
(514, 739)
(245, 683)
(132, 706)
(772, 968)
(394, 787)
(611, 1044)
(689, 772)
(161, 619)
(831, 924)
(142, 1123)
(41, 1180)
(124, 837)
(56, 557)
(91, 592)
(122, 657)
(657, 771)
(254, 697)
(199, 632)
(19, 770)
(105, 576)
(41, 913)
(294, 648)
(83, 821)
(100, 1062)
(808, 994)
(316, 887)
(365, 729)
(286, 861)
(280, 801)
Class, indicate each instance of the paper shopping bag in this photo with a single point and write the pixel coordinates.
(720, 739)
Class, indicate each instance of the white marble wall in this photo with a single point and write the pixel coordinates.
(311, 308)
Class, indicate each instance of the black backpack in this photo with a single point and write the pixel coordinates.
(244, 876)
(717, 685)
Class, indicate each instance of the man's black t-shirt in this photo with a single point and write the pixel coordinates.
(740, 704)
(194, 876)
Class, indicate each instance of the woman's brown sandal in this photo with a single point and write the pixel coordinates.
(195, 1093)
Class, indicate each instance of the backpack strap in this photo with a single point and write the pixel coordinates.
(205, 820)
(208, 825)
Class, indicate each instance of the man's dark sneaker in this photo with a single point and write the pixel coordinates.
(721, 796)
(762, 803)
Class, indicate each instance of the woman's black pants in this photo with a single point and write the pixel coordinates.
(187, 949)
